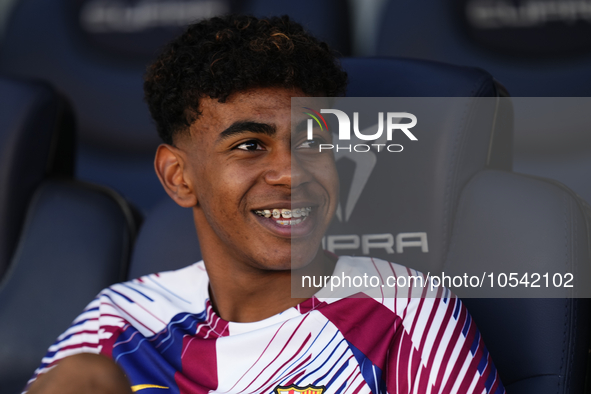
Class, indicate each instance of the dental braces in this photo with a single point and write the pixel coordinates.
(285, 213)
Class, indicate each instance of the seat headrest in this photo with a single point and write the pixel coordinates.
(524, 29)
(166, 241)
(36, 141)
(456, 139)
(330, 21)
(43, 40)
(398, 77)
(535, 48)
(136, 29)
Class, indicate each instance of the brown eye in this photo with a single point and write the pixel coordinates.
(250, 145)
(307, 144)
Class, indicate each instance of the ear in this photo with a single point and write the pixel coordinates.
(170, 168)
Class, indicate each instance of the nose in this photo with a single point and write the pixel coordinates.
(284, 169)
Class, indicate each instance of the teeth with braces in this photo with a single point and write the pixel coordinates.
(286, 214)
(290, 222)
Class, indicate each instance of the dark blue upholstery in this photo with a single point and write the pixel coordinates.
(534, 48)
(458, 152)
(328, 20)
(436, 30)
(167, 226)
(97, 57)
(63, 240)
(99, 65)
(32, 120)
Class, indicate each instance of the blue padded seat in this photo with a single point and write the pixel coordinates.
(36, 140)
(62, 240)
(96, 52)
(89, 51)
(534, 48)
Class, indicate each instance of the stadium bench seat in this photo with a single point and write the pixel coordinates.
(62, 240)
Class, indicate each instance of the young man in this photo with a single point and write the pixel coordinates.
(262, 199)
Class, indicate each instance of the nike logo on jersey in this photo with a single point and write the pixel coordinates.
(139, 387)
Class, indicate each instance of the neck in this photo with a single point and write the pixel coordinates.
(244, 294)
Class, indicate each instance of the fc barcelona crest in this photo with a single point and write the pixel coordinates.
(293, 389)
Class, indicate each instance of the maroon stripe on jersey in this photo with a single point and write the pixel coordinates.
(295, 354)
(361, 385)
(416, 364)
(130, 316)
(151, 314)
(79, 345)
(417, 315)
(381, 278)
(161, 333)
(294, 379)
(300, 364)
(451, 343)
(261, 355)
(348, 382)
(199, 361)
(474, 365)
(427, 369)
(479, 387)
(199, 358)
(393, 382)
(462, 356)
(473, 369)
(108, 343)
(277, 356)
(365, 323)
(481, 384)
(403, 360)
(103, 315)
(350, 386)
(409, 295)
(496, 383)
(395, 289)
(309, 305)
(427, 329)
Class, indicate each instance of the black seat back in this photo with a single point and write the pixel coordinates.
(535, 49)
(64, 240)
(36, 140)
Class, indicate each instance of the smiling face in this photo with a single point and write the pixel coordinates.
(261, 196)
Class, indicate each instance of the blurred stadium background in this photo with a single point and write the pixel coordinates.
(95, 52)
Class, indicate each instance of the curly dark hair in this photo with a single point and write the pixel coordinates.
(224, 55)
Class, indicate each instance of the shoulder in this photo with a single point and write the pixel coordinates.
(151, 301)
(423, 332)
(183, 284)
(389, 289)
(388, 293)
(376, 278)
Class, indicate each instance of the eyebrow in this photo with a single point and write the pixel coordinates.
(241, 127)
(302, 126)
